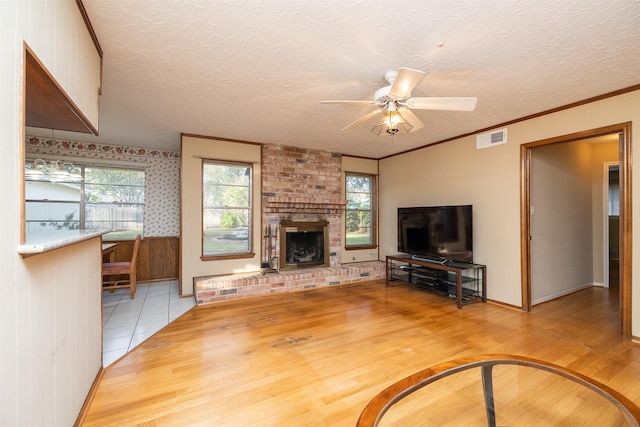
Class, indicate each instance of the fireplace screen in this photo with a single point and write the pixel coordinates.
(303, 244)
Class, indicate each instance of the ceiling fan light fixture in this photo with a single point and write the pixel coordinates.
(54, 171)
(392, 123)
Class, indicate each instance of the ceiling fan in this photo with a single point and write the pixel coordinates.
(395, 103)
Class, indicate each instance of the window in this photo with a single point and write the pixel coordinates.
(226, 209)
(114, 200)
(107, 199)
(360, 220)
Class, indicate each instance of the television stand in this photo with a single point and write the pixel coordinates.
(463, 281)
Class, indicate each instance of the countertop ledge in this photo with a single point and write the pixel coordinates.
(38, 243)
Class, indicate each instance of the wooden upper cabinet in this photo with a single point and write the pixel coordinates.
(63, 85)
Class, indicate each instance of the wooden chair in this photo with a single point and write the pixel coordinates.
(126, 268)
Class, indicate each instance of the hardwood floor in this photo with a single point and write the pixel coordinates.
(316, 358)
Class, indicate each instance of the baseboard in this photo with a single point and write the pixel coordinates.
(563, 293)
(152, 281)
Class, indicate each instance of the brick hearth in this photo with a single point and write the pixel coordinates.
(220, 288)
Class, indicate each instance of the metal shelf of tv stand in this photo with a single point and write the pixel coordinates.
(453, 267)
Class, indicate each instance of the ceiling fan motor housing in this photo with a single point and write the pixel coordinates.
(381, 95)
(390, 76)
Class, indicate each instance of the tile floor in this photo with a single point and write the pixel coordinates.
(127, 323)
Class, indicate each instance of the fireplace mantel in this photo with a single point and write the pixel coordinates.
(296, 205)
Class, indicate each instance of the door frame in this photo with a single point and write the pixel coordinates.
(623, 130)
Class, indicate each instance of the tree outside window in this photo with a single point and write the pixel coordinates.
(360, 210)
(114, 200)
(226, 208)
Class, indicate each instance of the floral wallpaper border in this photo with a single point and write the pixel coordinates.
(64, 144)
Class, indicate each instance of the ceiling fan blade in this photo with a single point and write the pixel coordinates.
(361, 120)
(404, 83)
(347, 102)
(413, 120)
(453, 103)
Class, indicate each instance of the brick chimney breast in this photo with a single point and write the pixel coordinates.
(300, 184)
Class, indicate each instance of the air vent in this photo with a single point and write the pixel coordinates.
(492, 138)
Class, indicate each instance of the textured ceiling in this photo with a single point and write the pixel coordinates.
(256, 70)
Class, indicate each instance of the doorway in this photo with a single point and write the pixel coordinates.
(623, 132)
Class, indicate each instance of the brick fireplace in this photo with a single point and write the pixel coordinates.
(300, 188)
(303, 186)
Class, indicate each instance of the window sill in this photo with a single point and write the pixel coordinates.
(226, 257)
(358, 248)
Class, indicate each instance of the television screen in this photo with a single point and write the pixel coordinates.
(437, 232)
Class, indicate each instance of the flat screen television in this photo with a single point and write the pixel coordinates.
(438, 233)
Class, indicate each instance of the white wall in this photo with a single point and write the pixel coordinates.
(194, 149)
(457, 173)
(50, 318)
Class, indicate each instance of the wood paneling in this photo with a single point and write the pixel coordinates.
(157, 258)
(316, 358)
(48, 105)
(54, 350)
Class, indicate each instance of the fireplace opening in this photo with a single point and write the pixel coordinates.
(304, 244)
